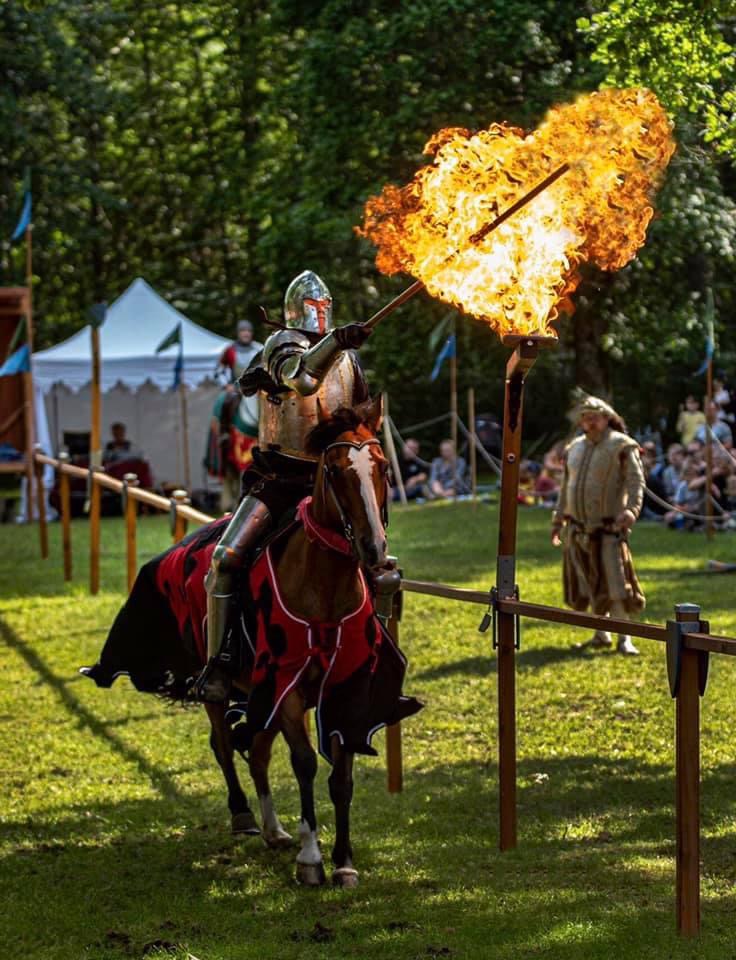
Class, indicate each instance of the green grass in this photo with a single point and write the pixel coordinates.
(114, 829)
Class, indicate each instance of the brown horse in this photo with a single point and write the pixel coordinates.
(316, 577)
(320, 584)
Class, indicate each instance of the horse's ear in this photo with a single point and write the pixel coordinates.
(322, 414)
(374, 413)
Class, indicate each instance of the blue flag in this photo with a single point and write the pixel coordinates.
(710, 337)
(447, 351)
(710, 349)
(18, 362)
(25, 218)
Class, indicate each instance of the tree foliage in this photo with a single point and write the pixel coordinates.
(218, 148)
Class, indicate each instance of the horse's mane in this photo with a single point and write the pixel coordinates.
(327, 431)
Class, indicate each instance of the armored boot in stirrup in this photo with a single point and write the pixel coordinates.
(249, 524)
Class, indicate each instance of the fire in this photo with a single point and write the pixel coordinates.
(618, 144)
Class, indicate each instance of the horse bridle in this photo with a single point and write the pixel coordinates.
(346, 524)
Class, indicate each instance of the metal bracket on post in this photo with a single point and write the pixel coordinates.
(491, 615)
(688, 621)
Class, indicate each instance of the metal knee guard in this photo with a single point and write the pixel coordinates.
(249, 524)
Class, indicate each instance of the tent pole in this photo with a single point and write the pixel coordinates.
(95, 462)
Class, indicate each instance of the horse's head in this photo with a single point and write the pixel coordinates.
(351, 488)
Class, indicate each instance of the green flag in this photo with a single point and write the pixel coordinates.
(171, 339)
(18, 336)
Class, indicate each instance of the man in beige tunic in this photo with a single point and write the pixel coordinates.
(600, 500)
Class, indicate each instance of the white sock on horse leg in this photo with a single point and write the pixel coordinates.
(271, 822)
(310, 852)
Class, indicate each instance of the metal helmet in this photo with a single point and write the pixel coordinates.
(308, 303)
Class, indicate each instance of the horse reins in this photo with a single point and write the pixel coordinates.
(344, 519)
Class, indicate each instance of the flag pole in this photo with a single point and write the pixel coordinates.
(473, 453)
(708, 451)
(30, 430)
(453, 410)
(185, 434)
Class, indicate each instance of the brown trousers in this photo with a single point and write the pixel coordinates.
(598, 572)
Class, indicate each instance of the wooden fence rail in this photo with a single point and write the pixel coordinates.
(687, 640)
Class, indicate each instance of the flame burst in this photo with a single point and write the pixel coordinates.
(618, 144)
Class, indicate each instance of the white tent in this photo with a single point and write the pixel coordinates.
(136, 382)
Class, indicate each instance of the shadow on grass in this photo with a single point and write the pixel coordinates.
(160, 779)
(138, 874)
(485, 665)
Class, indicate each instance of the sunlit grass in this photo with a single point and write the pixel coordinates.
(113, 824)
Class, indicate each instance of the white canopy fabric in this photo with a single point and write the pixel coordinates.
(135, 325)
(136, 382)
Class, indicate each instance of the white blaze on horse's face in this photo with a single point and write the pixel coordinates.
(363, 463)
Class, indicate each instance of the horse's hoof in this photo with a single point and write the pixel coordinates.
(345, 877)
(245, 823)
(278, 840)
(310, 874)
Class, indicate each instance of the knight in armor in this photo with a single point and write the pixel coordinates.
(600, 500)
(305, 367)
(236, 358)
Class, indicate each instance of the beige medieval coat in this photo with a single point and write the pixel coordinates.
(601, 480)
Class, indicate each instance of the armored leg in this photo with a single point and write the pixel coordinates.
(249, 524)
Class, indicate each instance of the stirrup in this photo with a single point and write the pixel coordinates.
(213, 683)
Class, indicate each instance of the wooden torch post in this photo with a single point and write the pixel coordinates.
(517, 368)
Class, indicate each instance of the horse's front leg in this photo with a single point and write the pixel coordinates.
(341, 794)
(309, 867)
(242, 818)
(259, 758)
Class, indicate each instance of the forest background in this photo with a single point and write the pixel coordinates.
(219, 148)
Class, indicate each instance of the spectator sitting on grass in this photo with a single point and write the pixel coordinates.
(690, 418)
(447, 474)
(719, 429)
(672, 472)
(413, 471)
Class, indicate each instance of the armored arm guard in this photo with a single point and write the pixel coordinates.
(293, 363)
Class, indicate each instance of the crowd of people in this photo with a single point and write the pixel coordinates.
(675, 474)
(446, 476)
(677, 477)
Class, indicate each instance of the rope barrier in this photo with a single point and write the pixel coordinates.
(427, 423)
(672, 506)
(492, 462)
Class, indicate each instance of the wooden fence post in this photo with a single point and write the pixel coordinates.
(130, 510)
(66, 516)
(43, 530)
(95, 507)
(178, 523)
(687, 671)
(394, 767)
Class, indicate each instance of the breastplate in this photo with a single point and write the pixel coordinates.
(285, 426)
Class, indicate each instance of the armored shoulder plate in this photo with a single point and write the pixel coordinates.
(282, 345)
